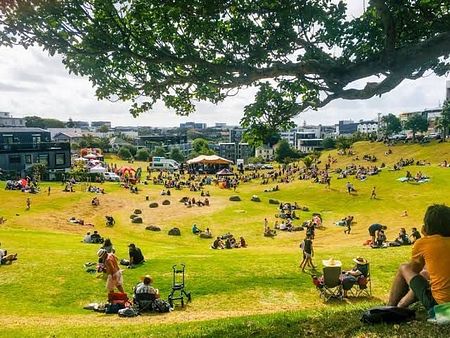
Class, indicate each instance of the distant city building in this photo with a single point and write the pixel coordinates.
(348, 127)
(290, 136)
(265, 152)
(227, 150)
(55, 131)
(447, 96)
(6, 120)
(80, 124)
(220, 125)
(429, 114)
(236, 134)
(193, 125)
(20, 148)
(244, 151)
(98, 124)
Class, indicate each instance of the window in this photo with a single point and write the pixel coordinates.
(14, 159)
(60, 159)
(28, 159)
(8, 139)
(43, 159)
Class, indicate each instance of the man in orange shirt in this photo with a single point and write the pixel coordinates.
(427, 276)
(115, 279)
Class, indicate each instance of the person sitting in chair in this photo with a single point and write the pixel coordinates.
(145, 287)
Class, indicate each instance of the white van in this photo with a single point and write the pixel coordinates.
(163, 163)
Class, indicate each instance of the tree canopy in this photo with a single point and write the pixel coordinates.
(298, 54)
(39, 122)
(416, 123)
(390, 125)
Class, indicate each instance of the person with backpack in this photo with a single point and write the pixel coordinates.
(427, 276)
(308, 253)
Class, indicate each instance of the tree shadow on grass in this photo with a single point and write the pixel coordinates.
(326, 323)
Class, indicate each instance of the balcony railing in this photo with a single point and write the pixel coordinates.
(34, 147)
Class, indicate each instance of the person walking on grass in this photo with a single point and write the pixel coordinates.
(373, 195)
(28, 203)
(308, 253)
(115, 279)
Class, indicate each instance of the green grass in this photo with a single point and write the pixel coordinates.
(258, 291)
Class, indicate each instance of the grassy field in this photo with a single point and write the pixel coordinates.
(257, 291)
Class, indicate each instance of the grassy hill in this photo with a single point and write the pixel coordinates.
(257, 291)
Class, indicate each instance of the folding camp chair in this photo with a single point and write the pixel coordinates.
(330, 285)
(363, 285)
(144, 301)
(178, 292)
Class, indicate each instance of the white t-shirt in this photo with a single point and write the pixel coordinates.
(2, 253)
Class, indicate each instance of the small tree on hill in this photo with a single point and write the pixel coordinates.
(142, 154)
(176, 155)
(200, 146)
(124, 153)
(343, 143)
(159, 152)
(308, 161)
(103, 129)
(416, 123)
(390, 125)
(329, 143)
(284, 152)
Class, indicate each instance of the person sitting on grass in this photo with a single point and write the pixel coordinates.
(6, 258)
(430, 286)
(108, 246)
(95, 202)
(403, 238)
(145, 287)
(243, 243)
(381, 240)
(135, 254)
(87, 238)
(218, 244)
(195, 229)
(269, 232)
(415, 235)
(2, 220)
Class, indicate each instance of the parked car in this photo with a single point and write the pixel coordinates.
(267, 166)
(398, 137)
(111, 177)
(433, 136)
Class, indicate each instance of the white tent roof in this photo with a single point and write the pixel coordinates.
(209, 159)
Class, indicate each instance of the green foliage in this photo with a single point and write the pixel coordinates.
(103, 129)
(308, 161)
(38, 170)
(255, 160)
(443, 122)
(200, 146)
(124, 153)
(159, 152)
(329, 143)
(390, 125)
(344, 143)
(142, 155)
(176, 155)
(284, 152)
(38, 122)
(298, 54)
(416, 123)
(131, 148)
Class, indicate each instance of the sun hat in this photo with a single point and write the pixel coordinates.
(332, 262)
(131, 245)
(360, 260)
(147, 276)
(101, 252)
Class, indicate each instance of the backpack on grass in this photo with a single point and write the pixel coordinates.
(387, 314)
(160, 305)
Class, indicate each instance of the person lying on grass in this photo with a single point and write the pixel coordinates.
(6, 258)
(426, 278)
